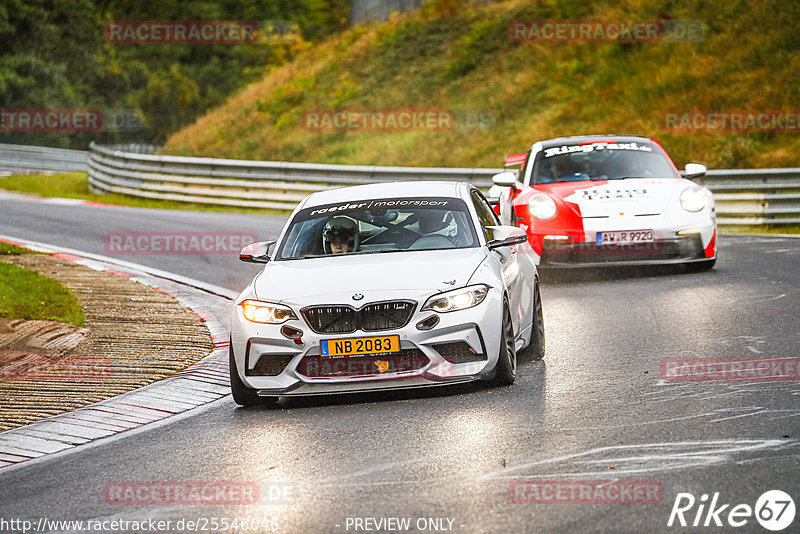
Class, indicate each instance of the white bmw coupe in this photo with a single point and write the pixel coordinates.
(385, 286)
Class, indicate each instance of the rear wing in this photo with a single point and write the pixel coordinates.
(516, 160)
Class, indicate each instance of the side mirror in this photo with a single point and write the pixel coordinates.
(506, 236)
(695, 170)
(505, 179)
(256, 252)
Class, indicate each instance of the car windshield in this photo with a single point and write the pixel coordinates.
(600, 161)
(379, 226)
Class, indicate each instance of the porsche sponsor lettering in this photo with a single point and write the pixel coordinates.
(608, 193)
(592, 147)
(374, 204)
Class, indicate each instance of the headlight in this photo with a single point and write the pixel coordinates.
(457, 299)
(694, 199)
(542, 206)
(263, 312)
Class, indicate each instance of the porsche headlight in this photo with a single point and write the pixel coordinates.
(542, 206)
(256, 311)
(694, 199)
(457, 299)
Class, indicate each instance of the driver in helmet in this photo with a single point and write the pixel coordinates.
(340, 235)
(432, 221)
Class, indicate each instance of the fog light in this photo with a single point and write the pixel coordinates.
(427, 324)
(689, 231)
(292, 333)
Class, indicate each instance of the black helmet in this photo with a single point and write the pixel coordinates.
(340, 229)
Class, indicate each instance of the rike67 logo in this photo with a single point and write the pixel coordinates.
(774, 510)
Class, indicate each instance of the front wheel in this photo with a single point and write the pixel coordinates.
(243, 395)
(505, 372)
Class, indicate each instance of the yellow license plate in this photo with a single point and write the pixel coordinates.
(359, 345)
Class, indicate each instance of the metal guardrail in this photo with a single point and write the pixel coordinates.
(749, 197)
(16, 159)
(254, 184)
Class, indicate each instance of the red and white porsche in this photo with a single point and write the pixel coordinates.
(608, 200)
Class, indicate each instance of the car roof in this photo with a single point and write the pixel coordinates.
(576, 139)
(418, 188)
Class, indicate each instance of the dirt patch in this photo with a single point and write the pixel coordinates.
(134, 335)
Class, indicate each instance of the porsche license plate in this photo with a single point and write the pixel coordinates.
(359, 345)
(626, 237)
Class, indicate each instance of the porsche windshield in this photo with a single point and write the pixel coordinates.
(600, 161)
(377, 226)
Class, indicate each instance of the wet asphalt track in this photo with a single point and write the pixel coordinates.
(595, 409)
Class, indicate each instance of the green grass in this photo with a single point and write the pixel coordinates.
(457, 56)
(25, 294)
(12, 250)
(76, 185)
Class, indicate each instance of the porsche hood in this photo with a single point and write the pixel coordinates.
(638, 196)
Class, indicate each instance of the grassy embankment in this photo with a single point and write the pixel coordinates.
(25, 294)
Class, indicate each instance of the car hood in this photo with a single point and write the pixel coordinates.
(637, 196)
(334, 278)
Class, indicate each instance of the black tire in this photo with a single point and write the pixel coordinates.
(536, 347)
(243, 395)
(505, 372)
(701, 266)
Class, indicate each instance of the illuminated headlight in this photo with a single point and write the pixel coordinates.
(694, 199)
(264, 312)
(542, 206)
(457, 299)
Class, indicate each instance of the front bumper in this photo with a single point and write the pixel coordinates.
(462, 347)
(678, 249)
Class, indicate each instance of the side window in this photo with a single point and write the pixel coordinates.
(486, 215)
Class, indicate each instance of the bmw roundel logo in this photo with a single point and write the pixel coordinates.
(358, 296)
